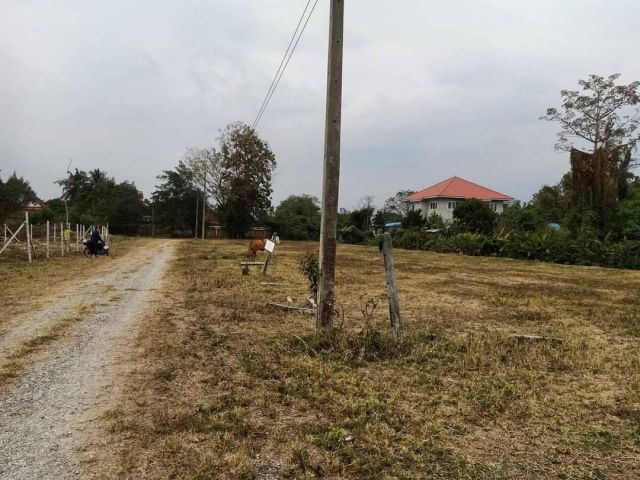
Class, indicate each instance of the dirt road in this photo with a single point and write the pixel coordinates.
(47, 415)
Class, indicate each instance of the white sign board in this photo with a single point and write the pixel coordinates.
(269, 246)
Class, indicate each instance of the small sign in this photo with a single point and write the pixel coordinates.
(269, 246)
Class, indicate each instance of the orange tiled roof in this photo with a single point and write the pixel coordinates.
(456, 187)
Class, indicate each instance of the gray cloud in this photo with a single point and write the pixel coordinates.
(431, 89)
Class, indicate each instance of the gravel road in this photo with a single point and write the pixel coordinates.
(47, 415)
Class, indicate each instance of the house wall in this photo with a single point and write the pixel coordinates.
(443, 207)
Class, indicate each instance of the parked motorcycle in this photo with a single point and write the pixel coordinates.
(101, 249)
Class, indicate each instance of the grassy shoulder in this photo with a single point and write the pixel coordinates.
(27, 286)
(226, 388)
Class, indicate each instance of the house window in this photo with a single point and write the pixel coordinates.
(494, 206)
(452, 205)
(434, 205)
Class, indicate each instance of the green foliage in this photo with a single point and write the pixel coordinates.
(413, 239)
(297, 218)
(527, 218)
(96, 198)
(435, 221)
(236, 215)
(548, 246)
(396, 208)
(475, 216)
(626, 221)
(597, 115)
(361, 218)
(352, 234)
(174, 201)
(413, 220)
(246, 165)
(15, 194)
(310, 268)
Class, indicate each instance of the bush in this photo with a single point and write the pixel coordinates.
(352, 235)
(475, 216)
(310, 268)
(412, 240)
(414, 220)
(547, 246)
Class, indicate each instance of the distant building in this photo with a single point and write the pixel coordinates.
(31, 207)
(443, 197)
(34, 206)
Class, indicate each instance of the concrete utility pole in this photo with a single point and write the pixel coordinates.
(204, 205)
(331, 175)
(195, 236)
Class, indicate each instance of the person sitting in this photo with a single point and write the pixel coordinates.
(94, 242)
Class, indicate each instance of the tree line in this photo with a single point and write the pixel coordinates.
(597, 199)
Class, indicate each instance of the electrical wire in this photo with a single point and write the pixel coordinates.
(285, 60)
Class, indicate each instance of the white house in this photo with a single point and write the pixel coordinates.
(442, 197)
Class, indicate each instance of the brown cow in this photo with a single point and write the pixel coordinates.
(255, 246)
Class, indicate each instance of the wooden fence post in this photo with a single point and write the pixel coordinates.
(266, 263)
(62, 239)
(392, 292)
(26, 221)
(47, 238)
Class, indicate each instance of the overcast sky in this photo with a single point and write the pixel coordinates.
(431, 88)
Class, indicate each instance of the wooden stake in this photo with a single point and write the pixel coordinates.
(61, 239)
(331, 175)
(26, 221)
(392, 292)
(48, 255)
(267, 261)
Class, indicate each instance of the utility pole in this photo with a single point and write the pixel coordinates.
(204, 203)
(195, 230)
(331, 172)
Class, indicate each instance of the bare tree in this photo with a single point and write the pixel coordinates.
(601, 115)
(204, 164)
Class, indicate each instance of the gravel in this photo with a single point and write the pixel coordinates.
(51, 412)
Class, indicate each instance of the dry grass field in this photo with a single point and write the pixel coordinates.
(226, 388)
(26, 287)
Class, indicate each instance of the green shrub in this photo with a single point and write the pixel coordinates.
(412, 240)
(547, 246)
(352, 234)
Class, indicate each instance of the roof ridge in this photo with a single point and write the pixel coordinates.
(449, 182)
(486, 188)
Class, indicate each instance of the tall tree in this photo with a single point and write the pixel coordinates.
(298, 218)
(600, 115)
(204, 164)
(553, 201)
(396, 207)
(246, 167)
(15, 194)
(95, 197)
(175, 199)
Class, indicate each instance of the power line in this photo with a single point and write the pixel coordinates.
(284, 57)
(285, 60)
